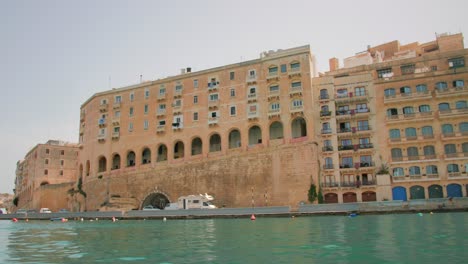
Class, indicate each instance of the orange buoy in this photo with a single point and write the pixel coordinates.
(14, 220)
(252, 217)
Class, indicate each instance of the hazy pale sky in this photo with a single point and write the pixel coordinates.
(54, 55)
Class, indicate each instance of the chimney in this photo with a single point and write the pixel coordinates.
(189, 69)
(334, 64)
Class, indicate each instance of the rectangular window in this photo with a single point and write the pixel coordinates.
(47, 151)
(46, 172)
(407, 69)
(283, 68)
(162, 91)
(178, 87)
(273, 70)
(231, 76)
(162, 122)
(295, 66)
(213, 97)
(146, 109)
(132, 97)
(296, 85)
(162, 107)
(147, 93)
(117, 114)
(195, 83)
(233, 92)
(195, 116)
(252, 73)
(118, 99)
(214, 114)
(146, 124)
(178, 121)
(62, 162)
(385, 73)
(116, 129)
(456, 63)
(46, 161)
(434, 68)
(232, 110)
(131, 111)
(274, 106)
(62, 152)
(61, 172)
(195, 99)
(274, 88)
(177, 103)
(130, 126)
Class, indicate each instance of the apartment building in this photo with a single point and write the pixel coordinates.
(400, 109)
(241, 132)
(45, 165)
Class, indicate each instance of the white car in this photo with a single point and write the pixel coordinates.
(45, 211)
(150, 207)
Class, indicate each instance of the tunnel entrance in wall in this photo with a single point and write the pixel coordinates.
(158, 200)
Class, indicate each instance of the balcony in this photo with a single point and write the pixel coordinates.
(346, 147)
(103, 107)
(366, 146)
(344, 130)
(410, 117)
(160, 128)
(82, 129)
(455, 174)
(272, 76)
(296, 109)
(176, 109)
(347, 166)
(327, 148)
(350, 97)
(274, 113)
(116, 121)
(213, 86)
(328, 167)
(101, 137)
(451, 92)
(326, 131)
(251, 79)
(352, 114)
(252, 97)
(178, 93)
(102, 122)
(325, 114)
(116, 105)
(212, 121)
(369, 182)
(274, 95)
(297, 90)
(406, 97)
(161, 112)
(294, 71)
(366, 164)
(324, 97)
(161, 97)
(452, 113)
(329, 185)
(115, 135)
(253, 115)
(213, 104)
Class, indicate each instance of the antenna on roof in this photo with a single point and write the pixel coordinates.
(141, 78)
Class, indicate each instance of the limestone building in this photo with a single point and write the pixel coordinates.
(242, 132)
(45, 174)
(396, 108)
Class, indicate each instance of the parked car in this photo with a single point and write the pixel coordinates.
(31, 211)
(3, 211)
(45, 211)
(150, 207)
(63, 211)
(21, 211)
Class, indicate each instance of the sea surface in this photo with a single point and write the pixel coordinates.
(401, 238)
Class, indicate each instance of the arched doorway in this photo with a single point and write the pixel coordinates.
(399, 193)
(349, 197)
(234, 139)
(162, 153)
(146, 156)
(455, 190)
(330, 198)
(276, 130)
(156, 199)
(369, 196)
(255, 136)
(102, 166)
(116, 162)
(299, 128)
(215, 143)
(417, 192)
(435, 191)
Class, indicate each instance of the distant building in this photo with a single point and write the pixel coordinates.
(398, 106)
(47, 165)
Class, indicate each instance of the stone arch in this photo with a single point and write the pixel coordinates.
(44, 183)
(179, 150)
(131, 158)
(417, 192)
(102, 164)
(276, 130)
(115, 161)
(234, 138)
(156, 199)
(435, 191)
(197, 146)
(215, 142)
(330, 198)
(299, 127)
(255, 135)
(146, 156)
(161, 153)
(369, 196)
(349, 197)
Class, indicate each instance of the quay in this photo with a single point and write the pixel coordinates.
(384, 207)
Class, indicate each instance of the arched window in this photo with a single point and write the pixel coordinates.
(392, 113)
(397, 154)
(414, 170)
(429, 151)
(276, 130)
(431, 170)
(427, 132)
(451, 168)
(465, 148)
(408, 110)
(444, 106)
(450, 149)
(131, 159)
(463, 127)
(178, 150)
(115, 162)
(447, 129)
(146, 156)
(328, 163)
(234, 139)
(441, 86)
(326, 129)
(324, 94)
(298, 128)
(421, 88)
(410, 133)
(255, 135)
(215, 143)
(424, 108)
(197, 146)
(405, 90)
(102, 166)
(162, 153)
(412, 153)
(389, 92)
(461, 105)
(395, 133)
(398, 172)
(458, 83)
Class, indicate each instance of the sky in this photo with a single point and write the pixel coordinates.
(54, 55)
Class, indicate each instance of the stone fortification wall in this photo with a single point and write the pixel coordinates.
(52, 196)
(273, 176)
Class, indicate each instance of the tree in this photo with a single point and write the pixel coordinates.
(312, 195)
(320, 196)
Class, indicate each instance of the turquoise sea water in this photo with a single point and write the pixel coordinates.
(402, 238)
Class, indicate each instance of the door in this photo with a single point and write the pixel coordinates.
(435, 191)
(454, 190)
(417, 192)
(399, 193)
(331, 198)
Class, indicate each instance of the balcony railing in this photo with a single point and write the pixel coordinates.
(346, 147)
(324, 97)
(329, 184)
(213, 120)
(327, 131)
(328, 167)
(327, 148)
(325, 113)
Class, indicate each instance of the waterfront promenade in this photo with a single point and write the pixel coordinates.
(385, 207)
